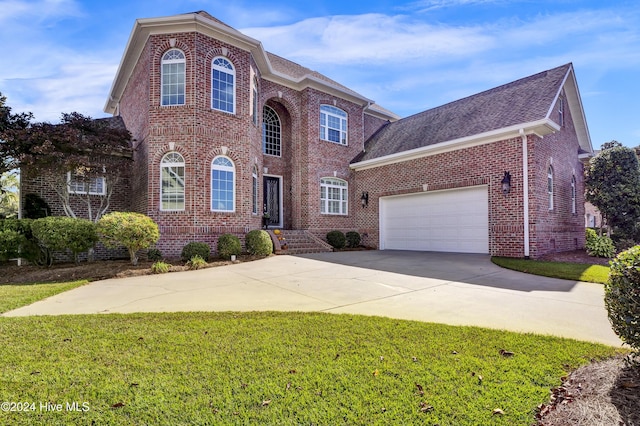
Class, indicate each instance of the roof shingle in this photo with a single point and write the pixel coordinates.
(522, 101)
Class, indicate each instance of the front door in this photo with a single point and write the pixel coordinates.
(272, 205)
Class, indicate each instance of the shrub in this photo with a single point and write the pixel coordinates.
(622, 296)
(196, 262)
(259, 243)
(336, 239)
(353, 239)
(134, 231)
(590, 235)
(599, 246)
(228, 245)
(154, 255)
(160, 267)
(10, 244)
(195, 248)
(27, 246)
(59, 233)
(35, 207)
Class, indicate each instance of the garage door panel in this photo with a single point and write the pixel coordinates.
(452, 221)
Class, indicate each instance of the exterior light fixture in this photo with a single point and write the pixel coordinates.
(364, 199)
(506, 183)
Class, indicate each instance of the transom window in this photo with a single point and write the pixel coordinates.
(271, 138)
(223, 85)
(173, 86)
(550, 186)
(80, 183)
(333, 196)
(222, 184)
(333, 124)
(172, 185)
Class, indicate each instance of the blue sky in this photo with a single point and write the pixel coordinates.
(408, 56)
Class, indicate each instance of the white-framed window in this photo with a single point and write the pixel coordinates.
(573, 195)
(254, 190)
(254, 101)
(334, 196)
(79, 183)
(550, 186)
(173, 78)
(172, 186)
(333, 124)
(561, 112)
(223, 87)
(271, 135)
(223, 184)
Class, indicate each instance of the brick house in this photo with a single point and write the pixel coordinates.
(225, 131)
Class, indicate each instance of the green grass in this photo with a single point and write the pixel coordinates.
(276, 368)
(13, 296)
(564, 270)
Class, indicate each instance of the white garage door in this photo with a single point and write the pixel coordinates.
(451, 221)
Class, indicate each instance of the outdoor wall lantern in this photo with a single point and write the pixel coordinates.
(364, 199)
(506, 183)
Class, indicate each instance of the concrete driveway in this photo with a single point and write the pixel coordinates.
(458, 289)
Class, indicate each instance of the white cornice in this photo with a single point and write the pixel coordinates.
(540, 128)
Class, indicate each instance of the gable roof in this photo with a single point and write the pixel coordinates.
(272, 67)
(492, 115)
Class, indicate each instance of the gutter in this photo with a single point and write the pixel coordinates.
(525, 192)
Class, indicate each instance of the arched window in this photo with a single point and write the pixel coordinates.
(172, 182)
(254, 190)
(550, 186)
(573, 195)
(254, 101)
(223, 183)
(333, 124)
(271, 139)
(223, 88)
(173, 86)
(333, 196)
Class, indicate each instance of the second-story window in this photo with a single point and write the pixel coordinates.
(173, 82)
(271, 136)
(223, 89)
(333, 124)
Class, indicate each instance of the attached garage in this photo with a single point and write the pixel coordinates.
(451, 221)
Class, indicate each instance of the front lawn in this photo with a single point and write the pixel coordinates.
(13, 296)
(275, 368)
(564, 270)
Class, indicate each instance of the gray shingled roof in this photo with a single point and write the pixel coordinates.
(522, 101)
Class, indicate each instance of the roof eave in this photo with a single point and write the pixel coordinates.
(539, 128)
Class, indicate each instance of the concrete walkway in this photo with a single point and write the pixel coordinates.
(458, 289)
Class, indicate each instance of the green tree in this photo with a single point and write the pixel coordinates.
(8, 195)
(134, 231)
(612, 183)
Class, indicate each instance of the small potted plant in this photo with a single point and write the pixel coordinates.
(265, 220)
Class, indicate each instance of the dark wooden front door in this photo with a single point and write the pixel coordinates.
(272, 200)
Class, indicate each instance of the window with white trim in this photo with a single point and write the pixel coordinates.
(550, 186)
(333, 124)
(333, 196)
(271, 135)
(79, 183)
(173, 78)
(573, 195)
(254, 190)
(223, 88)
(172, 187)
(561, 112)
(254, 101)
(223, 182)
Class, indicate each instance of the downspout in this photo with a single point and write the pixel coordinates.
(525, 191)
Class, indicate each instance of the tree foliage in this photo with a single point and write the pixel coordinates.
(134, 231)
(87, 147)
(8, 195)
(612, 181)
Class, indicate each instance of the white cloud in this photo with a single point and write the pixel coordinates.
(36, 11)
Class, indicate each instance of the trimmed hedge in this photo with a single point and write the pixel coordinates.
(622, 296)
(60, 233)
(337, 239)
(134, 231)
(229, 244)
(353, 239)
(259, 243)
(195, 248)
